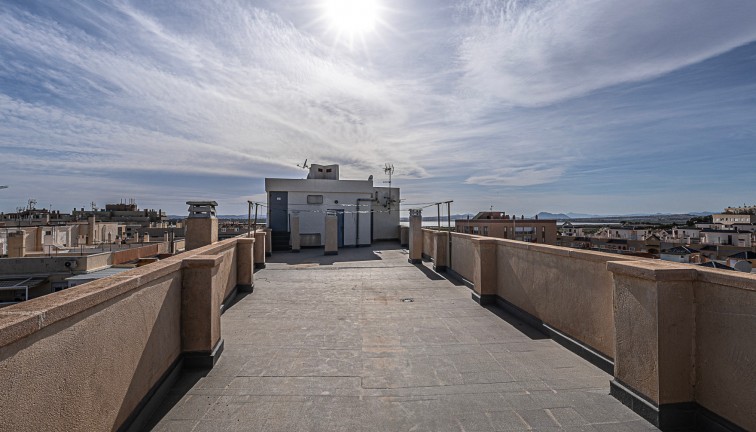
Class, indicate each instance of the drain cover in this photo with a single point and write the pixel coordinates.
(408, 300)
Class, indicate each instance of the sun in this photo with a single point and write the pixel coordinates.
(351, 19)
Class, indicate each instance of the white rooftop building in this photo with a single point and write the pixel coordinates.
(365, 212)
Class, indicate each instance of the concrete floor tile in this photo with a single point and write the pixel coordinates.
(326, 344)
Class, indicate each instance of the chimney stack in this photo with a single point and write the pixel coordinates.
(201, 224)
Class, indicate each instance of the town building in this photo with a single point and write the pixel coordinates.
(365, 212)
(681, 254)
(500, 225)
(726, 237)
(686, 235)
(739, 259)
(736, 215)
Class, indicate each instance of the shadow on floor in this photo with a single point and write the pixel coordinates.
(429, 273)
(188, 378)
(235, 300)
(316, 256)
(523, 327)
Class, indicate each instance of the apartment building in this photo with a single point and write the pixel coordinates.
(500, 225)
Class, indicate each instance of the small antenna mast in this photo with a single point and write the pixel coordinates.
(304, 165)
(389, 169)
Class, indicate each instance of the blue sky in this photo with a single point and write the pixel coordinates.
(554, 105)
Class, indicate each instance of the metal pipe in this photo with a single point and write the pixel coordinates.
(249, 219)
(449, 248)
(255, 216)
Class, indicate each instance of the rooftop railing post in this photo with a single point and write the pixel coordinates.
(416, 236)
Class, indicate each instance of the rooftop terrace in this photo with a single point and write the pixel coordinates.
(365, 340)
(328, 344)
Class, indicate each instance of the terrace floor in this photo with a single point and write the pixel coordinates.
(325, 343)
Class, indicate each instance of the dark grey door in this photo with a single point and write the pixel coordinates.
(279, 209)
(340, 223)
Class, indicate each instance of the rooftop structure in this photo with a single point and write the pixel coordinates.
(365, 212)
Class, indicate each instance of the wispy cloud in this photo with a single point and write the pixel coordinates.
(207, 98)
(538, 53)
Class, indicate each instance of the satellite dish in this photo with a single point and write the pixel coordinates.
(743, 266)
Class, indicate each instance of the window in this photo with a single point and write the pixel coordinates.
(328, 170)
(475, 230)
(314, 199)
(320, 169)
(485, 230)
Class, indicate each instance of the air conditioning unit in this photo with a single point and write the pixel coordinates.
(72, 264)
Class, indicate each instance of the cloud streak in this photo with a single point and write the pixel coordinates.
(538, 53)
(503, 96)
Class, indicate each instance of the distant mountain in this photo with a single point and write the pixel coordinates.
(570, 215)
(547, 215)
(581, 215)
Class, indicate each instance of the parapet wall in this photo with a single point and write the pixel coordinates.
(725, 351)
(680, 336)
(462, 260)
(568, 289)
(85, 358)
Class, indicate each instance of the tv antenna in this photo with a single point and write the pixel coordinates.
(389, 169)
(304, 165)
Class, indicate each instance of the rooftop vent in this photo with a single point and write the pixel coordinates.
(202, 209)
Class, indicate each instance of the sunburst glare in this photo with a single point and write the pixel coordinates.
(351, 20)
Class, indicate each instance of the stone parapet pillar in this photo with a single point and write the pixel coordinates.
(261, 238)
(39, 239)
(416, 236)
(485, 270)
(404, 235)
(294, 232)
(654, 368)
(201, 340)
(268, 242)
(17, 244)
(245, 264)
(331, 234)
(91, 230)
(201, 225)
(440, 250)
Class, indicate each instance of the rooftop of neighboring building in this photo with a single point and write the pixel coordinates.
(716, 265)
(746, 255)
(680, 250)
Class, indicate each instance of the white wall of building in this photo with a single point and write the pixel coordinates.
(342, 195)
(723, 238)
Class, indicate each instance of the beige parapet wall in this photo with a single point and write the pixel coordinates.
(463, 255)
(568, 289)
(428, 242)
(725, 365)
(677, 333)
(685, 334)
(84, 358)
